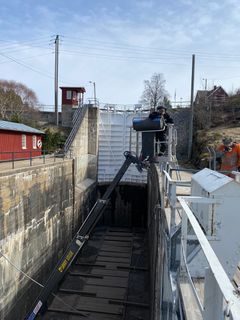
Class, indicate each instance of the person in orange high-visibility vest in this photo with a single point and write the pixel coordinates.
(228, 155)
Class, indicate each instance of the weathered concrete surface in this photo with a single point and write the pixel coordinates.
(67, 115)
(40, 209)
(85, 147)
(156, 252)
(181, 118)
(36, 223)
(159, 236)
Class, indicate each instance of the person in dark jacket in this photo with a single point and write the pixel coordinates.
(161, 136)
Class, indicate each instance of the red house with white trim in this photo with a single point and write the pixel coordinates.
(72, 98)
(19, 141)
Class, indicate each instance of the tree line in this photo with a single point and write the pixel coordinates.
(17, 102)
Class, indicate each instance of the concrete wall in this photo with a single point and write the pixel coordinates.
(40, 209)
(84, 148)
(67, 114)
(181, 117)
(49, 117)
(159, 246)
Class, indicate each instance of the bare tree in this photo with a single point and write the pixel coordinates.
(154, 91)
(17, 101)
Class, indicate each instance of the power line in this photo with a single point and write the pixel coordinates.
(102, 45)
(26, 66)
(124, 49)
(31, 57)
(117, 58)
(17, 42)
(62, 81)
(26, 49)
(169, 51)
(158, 54)
(128, 51)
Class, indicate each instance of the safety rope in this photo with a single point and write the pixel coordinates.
(38, 283)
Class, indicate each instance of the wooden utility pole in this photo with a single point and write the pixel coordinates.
(190, 139)
(56, 78)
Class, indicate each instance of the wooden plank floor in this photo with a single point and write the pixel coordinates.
(108, 280)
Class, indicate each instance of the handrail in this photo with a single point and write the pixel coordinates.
(77, 120)
(217, 271)
(212, 158)
(170, 189)
(28, 155)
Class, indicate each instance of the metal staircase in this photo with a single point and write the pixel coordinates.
(77, 120)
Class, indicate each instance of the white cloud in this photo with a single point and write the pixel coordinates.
(171, 32)
(145, 4)
(204, 21)
(214, 6)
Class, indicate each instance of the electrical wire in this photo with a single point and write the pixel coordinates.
(103, 45)
(96, 49)
(93, 42)
(26, 42)
(26, 66)
(27, 48)
(34, 69)
(38, 283)
(123, 53)
(19, 270)
(31, 57)
(119, 58)
(156, 54)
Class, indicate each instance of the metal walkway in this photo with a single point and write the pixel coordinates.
(108, 280)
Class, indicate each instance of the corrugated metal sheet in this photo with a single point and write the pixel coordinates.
(13, 126)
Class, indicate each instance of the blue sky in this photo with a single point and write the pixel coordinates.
(119, 44)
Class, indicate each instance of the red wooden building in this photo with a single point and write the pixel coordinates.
(72, 96)
(19, 141)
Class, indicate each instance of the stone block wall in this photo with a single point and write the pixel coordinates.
(41, 208)
(36, 224)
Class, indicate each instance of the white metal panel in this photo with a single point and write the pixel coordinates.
(114, 139)
(218, 273)
(221, 220)
(210, 180)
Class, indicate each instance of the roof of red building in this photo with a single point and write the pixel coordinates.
(79, 89)
(13, 126)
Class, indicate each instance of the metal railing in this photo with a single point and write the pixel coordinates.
(212, 158)
(169, 189)
(29, 157)
(77, 120)
(221, 300)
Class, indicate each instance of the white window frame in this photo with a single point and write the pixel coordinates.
(74, 95)
(24, 141)
(69, 95)
(34, 142)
